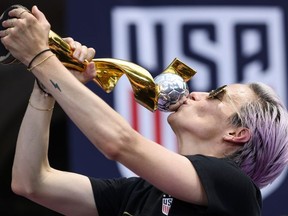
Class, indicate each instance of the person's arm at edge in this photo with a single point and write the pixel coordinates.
(32, 176)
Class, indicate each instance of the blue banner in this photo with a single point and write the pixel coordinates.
(225, 42)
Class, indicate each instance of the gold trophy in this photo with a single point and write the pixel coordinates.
(167, 88)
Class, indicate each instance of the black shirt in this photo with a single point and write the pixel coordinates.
(229, 192)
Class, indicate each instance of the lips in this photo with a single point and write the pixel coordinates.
(181, 102)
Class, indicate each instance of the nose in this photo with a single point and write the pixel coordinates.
(196, 96)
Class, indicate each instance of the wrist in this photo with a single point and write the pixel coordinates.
(40, 90)
(40, 108)
(43, 88)
(40, 101)
(38, 58)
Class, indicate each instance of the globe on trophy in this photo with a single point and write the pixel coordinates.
(172, 88)
(167, 89)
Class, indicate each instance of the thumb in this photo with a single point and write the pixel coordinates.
(91, 70)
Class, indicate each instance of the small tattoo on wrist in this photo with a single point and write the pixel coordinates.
(55, 84)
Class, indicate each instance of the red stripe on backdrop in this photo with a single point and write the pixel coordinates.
(157, 122)
(135, 119)
(134, 110)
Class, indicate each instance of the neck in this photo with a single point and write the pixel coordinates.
(214, 148)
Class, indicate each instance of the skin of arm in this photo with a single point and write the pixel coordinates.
(32, 175)
(68, 192)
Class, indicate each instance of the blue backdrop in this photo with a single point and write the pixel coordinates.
(225, 41)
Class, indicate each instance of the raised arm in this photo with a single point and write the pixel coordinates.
(32, 175)
(104, 127)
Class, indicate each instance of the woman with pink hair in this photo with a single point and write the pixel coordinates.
(232, 141)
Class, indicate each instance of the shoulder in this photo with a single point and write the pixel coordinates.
(222, 171)
(223, 180)
(213, 164)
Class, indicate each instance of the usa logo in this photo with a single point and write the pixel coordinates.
(166, 204)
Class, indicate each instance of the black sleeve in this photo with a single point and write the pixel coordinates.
(110, 194)
(228, 189)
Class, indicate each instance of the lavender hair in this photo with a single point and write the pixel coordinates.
(265, 155)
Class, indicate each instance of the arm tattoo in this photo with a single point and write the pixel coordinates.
(55, 84)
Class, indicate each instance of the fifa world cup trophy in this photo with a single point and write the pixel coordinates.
(162, 93)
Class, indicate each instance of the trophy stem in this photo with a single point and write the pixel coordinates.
(109, 71)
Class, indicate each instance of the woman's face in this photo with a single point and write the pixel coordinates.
(205, 115)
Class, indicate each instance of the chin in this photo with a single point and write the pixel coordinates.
(170, 117)
(172, 120)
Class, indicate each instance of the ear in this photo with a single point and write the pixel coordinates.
(240, 135)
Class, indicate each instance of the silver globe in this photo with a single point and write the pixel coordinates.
(172, 88)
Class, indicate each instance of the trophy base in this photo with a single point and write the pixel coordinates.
(5, 55)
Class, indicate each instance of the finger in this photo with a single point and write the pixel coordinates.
(9, 23)
(71, 42)
(88, 74)
(38, 14)
(68, 39)
(91, 70)
(7, 32)
(83, 54)
(13, 22)
(77, 50)
(90, 54)
(4, 33)
(19, 12)
(22, 13)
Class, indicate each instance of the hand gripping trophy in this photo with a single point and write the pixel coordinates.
(160, 93)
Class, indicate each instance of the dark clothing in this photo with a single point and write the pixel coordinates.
(229, 192)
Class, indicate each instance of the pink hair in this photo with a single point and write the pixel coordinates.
(265, 155)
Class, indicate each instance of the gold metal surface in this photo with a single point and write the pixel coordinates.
(110, 70)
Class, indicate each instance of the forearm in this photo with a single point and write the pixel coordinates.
(32, 144)
(100, 123)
